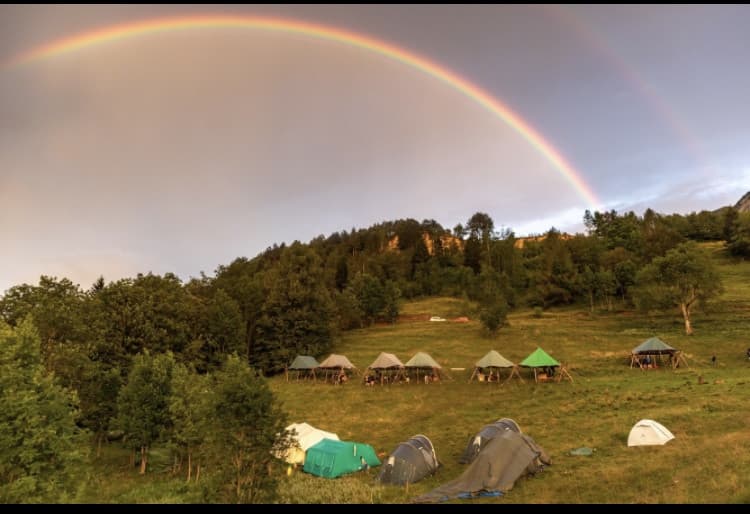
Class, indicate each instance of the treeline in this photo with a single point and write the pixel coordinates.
(100, 342)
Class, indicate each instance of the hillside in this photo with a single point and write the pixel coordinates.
(705, 463)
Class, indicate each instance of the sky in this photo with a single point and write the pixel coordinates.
(181, 150)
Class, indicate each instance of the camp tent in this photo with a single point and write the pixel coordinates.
(484, 436)
(304, 436)
(490, 365)
(422, 365)
(648, 432)
(410, 462)
(331, 459)
(539, 359)
(303, 365)
(386, 368)
(336, 366)
(507, 457)
(645, 354)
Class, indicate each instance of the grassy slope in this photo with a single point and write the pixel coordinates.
(708, 462)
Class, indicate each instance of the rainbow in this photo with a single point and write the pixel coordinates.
(493, 105)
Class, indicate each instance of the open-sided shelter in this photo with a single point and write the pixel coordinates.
(646, 354)
(487, 369)
(410, 462)
(544, 365)
(331, 459)
(484, 436)
(423, 367)
(303, 366)
(507, 457)
(304, 436)
(338, 368)
(648, 432)
(386, 368)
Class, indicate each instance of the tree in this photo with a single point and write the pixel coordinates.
(685, 277)
(189, 409)
(250, 431)
(494, 314)
(40, 445)
(298, 313)
(143, 404)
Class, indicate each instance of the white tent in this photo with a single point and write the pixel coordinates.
(303, 437)
(649, 432)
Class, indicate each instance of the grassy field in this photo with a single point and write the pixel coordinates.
(707, 462)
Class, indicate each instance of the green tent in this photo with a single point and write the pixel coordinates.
(493, 360)
(422, 360)
(331, 459)
(539, 359)
(653, 346)
(304, 365)
(304, 362)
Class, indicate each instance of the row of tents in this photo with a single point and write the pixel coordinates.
(387, 368)
(493, 367)
(496, 457)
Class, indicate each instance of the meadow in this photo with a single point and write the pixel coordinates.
(707, 407)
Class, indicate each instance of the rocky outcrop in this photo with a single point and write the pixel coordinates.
(744, 204)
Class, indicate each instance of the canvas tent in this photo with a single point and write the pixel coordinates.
(337, 366)
(331, 459)
(539, 360)
(484, 436)
(507, 457)
(649, 351)
(489, 366)
(386, 368)
(410, 462)
(304, 436)
(424, 366)
(304, 366)
(648, 432)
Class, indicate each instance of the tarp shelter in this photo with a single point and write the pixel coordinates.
(484, 436)
(422, 365)
(304, 365)
(331, 459)
(646, 354)
(539, 359)
(410, 462)
(386, 368)
(488, 368)
(304, 436)
(336, 367)
(504, 460)
(648, 432)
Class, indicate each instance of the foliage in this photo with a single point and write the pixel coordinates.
(143, 403)
(40, 445)
(685, 277)
(249, 428)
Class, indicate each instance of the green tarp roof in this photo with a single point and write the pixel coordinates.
(386, 360)
(493, 360)
(304, 362)
(653, 345)
(332, 459)
(539, 359)
(422, 360)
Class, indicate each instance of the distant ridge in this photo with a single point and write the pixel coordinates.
(744, 204)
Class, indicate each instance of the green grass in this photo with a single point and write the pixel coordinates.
(707, 462)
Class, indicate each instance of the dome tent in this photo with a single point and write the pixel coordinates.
(648, 432)
(410, 462)
(484, 436)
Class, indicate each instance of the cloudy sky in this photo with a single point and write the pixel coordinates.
(181, 150)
